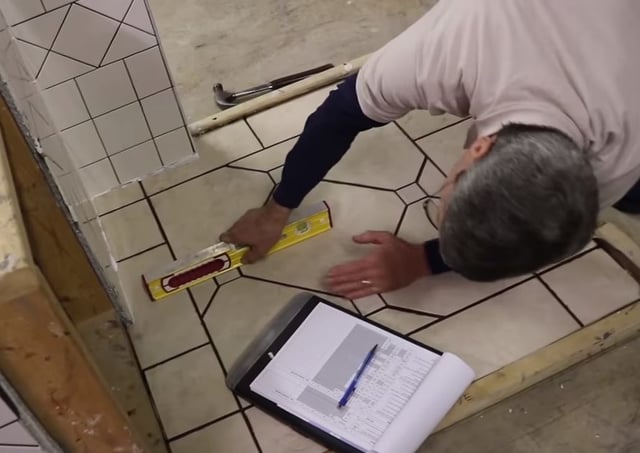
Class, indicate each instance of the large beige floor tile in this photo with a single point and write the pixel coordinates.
(431, 180)
(368, 304)
(203, 293)
(162, 329)
(382, 157)
(118, 197)
(593, 286)
(214, 149)
(195, 213)
(189, 391)
(420, 122)
(275, 437)
(267, 159)
(131, 230)
(287, 120)
(241, 309)
(401, 321)
(354, 210)
(502, 329)
(230, 435)
(447, 146)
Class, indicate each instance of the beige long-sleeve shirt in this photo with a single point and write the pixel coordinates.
(573, 65)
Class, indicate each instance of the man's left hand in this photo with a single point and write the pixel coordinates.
(393, 264)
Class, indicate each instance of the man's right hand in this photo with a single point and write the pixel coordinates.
(259, 229)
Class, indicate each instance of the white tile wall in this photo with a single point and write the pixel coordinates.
(107, 88)
(104, 82)
(14, 438)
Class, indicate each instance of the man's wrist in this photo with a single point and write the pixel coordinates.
(277, 211)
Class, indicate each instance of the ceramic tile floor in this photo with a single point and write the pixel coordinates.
(186, 343)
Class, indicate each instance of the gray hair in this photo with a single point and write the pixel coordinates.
(531, 201)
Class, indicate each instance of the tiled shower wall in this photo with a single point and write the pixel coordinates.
(100, 73)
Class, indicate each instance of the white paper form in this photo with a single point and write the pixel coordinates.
(310, 373)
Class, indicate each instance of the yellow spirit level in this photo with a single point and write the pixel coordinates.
(304, 223)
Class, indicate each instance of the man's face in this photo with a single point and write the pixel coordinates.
(475, 152)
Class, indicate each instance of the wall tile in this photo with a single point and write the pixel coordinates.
(65, 105)
(128, 41)
(52, 4)
(84, 144)
(58, 160)
(43, 125)
(58, 68)
(106, 88)
(174, 146)
(6, 414)
(123, 128)
(112, 8)
(98, 177)
(138, 16)
(162, 112)
(136, 162)
(17, 11)
(42, 30)
(15, 434)
(33, 57)
(85, 35)
(148, 72)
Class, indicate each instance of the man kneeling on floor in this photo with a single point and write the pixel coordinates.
(552, 90)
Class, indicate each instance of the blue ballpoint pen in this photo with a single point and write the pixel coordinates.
(354, 383)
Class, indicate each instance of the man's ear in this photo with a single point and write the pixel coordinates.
(481, 146)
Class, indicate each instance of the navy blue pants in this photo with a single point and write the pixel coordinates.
(630, 203)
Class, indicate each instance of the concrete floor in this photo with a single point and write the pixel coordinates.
(242, 43)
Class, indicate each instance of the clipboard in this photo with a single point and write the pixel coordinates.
(251, 364)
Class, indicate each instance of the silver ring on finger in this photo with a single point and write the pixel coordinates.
(366, 282)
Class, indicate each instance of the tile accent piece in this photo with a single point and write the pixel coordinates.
(198, 392)
(221, 196)
(251, 304)
(148, 72)
(593, 286)
(401, 321)
(123, 128)
(98, 177)
(161, 329)
(118, 197)
(17, 11)
(368, 304)
(85, 35)
(174, 146)
(411, 194)
(502, 329)
(447, 146)
(128, 41)
(216, 148)
(33, 57)
(230, 435)
(431, 180)
(162, 112)
(65, 104)
(354, 210)
(139, 17)
(58, 68)
(83, 144)
(202, 293)
(115, 9)
(381, 157)
(42, 30)
(420, 122)
(136, 162)
(287, 120)
(276, 437)
(15, 434)
(131, 230)
(106, 88)
(269, 158)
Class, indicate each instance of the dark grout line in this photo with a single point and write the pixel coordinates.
(116, 20)
(111, 211)
(253, 132)
(39, 15)
(568, 260)
(428, 134)
(64, 19)
(176, 356)
(474, 304)
(2, 444)
(9, 423)
(362, 186)
(289, 285)
(560, 301)
(94, 67)
(375, 312)
(402, 216)
(206, 308)
(203, 426)
(137, 254)
(250, 427)
(415, 312)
